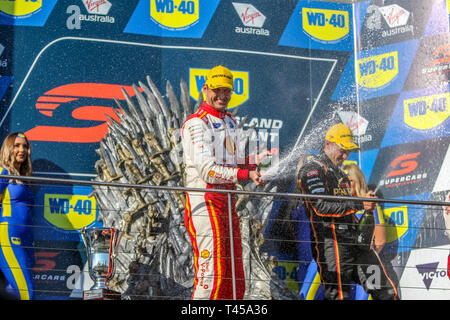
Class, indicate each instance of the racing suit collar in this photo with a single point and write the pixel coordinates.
(206, 107)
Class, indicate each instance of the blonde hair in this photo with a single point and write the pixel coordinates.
(7, 156)
(357, 176)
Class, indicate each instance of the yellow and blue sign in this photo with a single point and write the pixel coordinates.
(419, 115)
(25, 12)
(197, 78)
(172, 18)
(321, 25)
(63, 211)
(375, 73)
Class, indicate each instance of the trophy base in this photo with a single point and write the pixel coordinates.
(101, 294)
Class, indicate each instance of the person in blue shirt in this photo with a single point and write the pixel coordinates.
(16, 242)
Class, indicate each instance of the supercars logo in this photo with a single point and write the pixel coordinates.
(20, 8)
(69, 212)
(325, 25)
(197, 78)
(406, 164)
(441, 63)
(396, 219)
(428, 112)
(175, 14)
(84, 99)
(377, 71)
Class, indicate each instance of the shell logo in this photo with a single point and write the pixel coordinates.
(20, 7)
(175, 14)
(205, 254)
(325, 25)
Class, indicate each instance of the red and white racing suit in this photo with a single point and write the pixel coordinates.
(213, 161)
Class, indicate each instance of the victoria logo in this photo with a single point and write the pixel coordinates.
(251, 18)
(429, 271)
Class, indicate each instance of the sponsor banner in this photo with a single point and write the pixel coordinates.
(172, 18)
(61, 212)
(393, 22)
(402, 223)
(419, 115)
(252, 20)
(425, 275)
(431, 66)
(378, 72)
(58, 268)
(25, 12)
(321, 25)
(409, 168)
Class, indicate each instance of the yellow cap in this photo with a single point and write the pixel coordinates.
(219, 77)
(342, 136)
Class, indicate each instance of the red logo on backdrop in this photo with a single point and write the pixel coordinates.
(62, 95)
(44, 261)
(405, 162)
(442, 54)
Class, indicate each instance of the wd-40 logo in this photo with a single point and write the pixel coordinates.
(377, 71)
(425, 113)
(396, 221)
(20, 8)
(175, 14)
(69, 212)
(197, 78)
(325, 25)
(87, 101)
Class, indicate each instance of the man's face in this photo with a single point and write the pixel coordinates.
(336, 154)
(217, 98)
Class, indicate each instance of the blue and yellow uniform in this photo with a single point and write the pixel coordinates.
(16, 241)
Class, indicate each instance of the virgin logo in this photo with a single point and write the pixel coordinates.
(404, 163)
(247, 17)
(88, 102)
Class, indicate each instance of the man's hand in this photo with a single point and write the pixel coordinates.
(261, 156)
(255, 176)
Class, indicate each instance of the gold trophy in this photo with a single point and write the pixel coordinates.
(101, 248)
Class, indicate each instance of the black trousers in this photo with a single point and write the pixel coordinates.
(341, 262)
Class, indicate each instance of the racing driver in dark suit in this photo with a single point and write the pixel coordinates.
(333, 223)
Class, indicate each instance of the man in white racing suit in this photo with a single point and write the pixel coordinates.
(214, 160)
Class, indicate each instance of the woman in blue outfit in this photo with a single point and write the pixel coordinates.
(16, 243)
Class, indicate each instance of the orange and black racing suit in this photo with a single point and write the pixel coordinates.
(333, 232)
